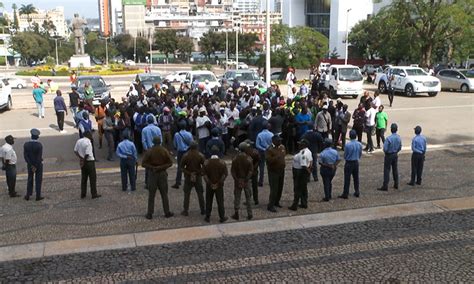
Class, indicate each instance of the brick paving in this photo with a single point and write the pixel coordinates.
(423, 248)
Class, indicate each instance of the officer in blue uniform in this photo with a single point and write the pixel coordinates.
(352, 155)
(328, 159)
(418, 146)
(33, 154)
(391, 147)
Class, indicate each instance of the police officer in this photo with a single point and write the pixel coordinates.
(33, 154)
(275, 157)
(391, 147)
(418, 146)
(302, 163)
(215, 172)
(242, 170)
(352, 155)
(9, 159)
(253, 153)
(315, 144)
(192, 164)
(328, 159)
(156, 160)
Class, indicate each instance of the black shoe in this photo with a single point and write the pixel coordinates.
(260, 184)
(325, 199)
(395, 186)
(356, 194)
(185, 213)
(235, 216)
(39, 198)
(256, 202)
(175, 186)
(293, 208)
(149, 216)
(83, 196)
(96, 196)
(169, 215)
(271, 209)
(203, 212)
(343, 196)
(249, 217)
(14, 195)
(27, 197)
(418, 183)
(207, 219)
(382, 189)
(411, 183)
(223, 220)
(278, 205)
(315, 179)
(303, 206)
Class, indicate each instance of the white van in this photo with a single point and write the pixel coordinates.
(344, 80)
(202, 76)
(5, 95)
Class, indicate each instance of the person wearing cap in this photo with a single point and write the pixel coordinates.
(302, 163)
(127, 152)
(323, 122)
(85, 152)
(275, 157)
(242, 170)
(254, 155)
(192, 165)
(418, 147)
(182, 141)
(74, 99)
(264, 141)
(215, 140)
(33, 154)
(215, 172)
(352, 155)
(165, 121)
(203, 126)
(391, 147)
(85, 124)
(38, 94)
(9, 159)
(328, 159)
(315, 146)
(156, 161)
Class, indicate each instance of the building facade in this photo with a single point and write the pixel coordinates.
(110, 17)
(56, 16)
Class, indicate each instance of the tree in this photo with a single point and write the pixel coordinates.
(210, 43)
(166, 41)
(96, 47)
(48, 28)
(27, 10)
(31, 46)
(334, 54)
(185, 46)
(16, 23)
(125, 45)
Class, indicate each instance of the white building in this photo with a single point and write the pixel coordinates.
(56, 16)
(247, 6)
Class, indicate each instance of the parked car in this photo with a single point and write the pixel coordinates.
(130, 62)
(344, 80)
(440, 66)
(5, 95)
(369, 69)
(202, 76)
(248, 77)
(149, 79)
(101, 89)
(410, 81)
(177, 76)
(452, 79)
(277, 76)
(15, 82)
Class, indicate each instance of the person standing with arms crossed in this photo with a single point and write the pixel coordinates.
(85, 152)
(275, 157)
(242, 170)
(9, 159)
(418, 146)
(33, 154)
(391, 147)
(352, 155)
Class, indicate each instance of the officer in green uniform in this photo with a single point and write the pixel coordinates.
(242, 170)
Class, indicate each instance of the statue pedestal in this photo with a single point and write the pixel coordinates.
(80, 60)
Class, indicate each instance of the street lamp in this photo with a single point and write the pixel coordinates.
(150, 34)
(56, 47)
(237, 49)
(135, 49)
(267, 47)
(347, 35)
(226, 49)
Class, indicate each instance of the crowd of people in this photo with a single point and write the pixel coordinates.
(255, 126)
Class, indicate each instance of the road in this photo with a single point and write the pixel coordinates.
(432, 248)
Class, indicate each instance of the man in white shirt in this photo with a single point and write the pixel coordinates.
(377, 101)
(289, 82)
(9, 159)
(203, 124)
(302, 163)
(84, 151)
(370, 126)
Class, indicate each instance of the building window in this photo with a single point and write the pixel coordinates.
(318, 15)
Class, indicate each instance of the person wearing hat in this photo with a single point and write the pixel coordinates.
(302, 163)
(215, 172)
(85, 152)
(323, 122)
(215, 140)
(9, 159)
(328, 159)
(418, 147)
(148, 135)
(391, 147)
(156, 161)
(85, 124)
(165, 121)
(254, 155)
(203, 125)
(242, 170)
(352, 155)
(127, 152)
(182, 141)
(275, 157)
(74, 99)
(192, 164)
(33, 154)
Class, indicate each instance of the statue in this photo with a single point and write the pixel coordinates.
(77, 24)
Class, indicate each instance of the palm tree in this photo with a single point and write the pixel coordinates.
(27, 10)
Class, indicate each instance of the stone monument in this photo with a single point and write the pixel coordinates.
(80, 58)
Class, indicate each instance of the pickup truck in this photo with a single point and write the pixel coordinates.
(408, 80)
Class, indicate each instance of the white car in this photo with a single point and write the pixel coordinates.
(411, 81)
(5, 95)
(177, 76)
(344, 80)
(16, 83)
(201, 77)
(130, 63)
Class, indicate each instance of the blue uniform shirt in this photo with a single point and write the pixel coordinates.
(353, 151)
(264, 140)
(329, 156)
(418, 144)
(182, 140)
(126, 149)
(148, 133)
(392, 144)
(300, 117)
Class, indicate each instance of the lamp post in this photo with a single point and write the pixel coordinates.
(267, 47)
(106, 51)
(56, 45)
(135, 49)
(347, 35)
(150, 34)
(237, 49)
(226, 49)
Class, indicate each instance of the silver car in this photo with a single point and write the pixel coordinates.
(248, 77)
(452, 79)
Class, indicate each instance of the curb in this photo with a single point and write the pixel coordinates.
(135, 240)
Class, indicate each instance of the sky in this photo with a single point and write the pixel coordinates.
(85, 8)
